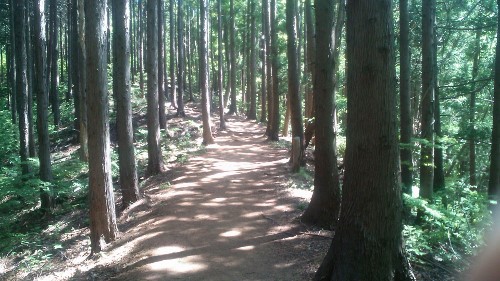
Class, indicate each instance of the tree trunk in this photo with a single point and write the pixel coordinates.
(494, 181)
(406, 121)
(122, 93)
(438, 179)
(82, 74)
(310, 58)
(54, 78)
(161, 70)
(12, 64)
(368, 234)
(275, 107)
(232, 53)
(155, 161)
(252, 112)
(140, 10)
(188, 56)
(222, 124)
(173, 82)
(266, 19)
(426, 155)
(181, 62)
(42, 97)
(323, 210)
(29, 79)
(204, 77)
(102, 202)
(293, 76)
(21, 84)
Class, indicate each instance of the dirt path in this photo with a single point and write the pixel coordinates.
(225, 216)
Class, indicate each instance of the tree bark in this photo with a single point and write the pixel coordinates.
(122, 93)
(12, 64)
(323, 210)
(161, 68)
(222, 122)
(54, 74)
(232, 42)
(102, 202)
(368, 234)
(426, 153)
(275, 107)
(29, 79)
(182, 58)
(82, 74)
(204, 77)
(173, 82)
(293, 76)
(42, 97)
(21, 84)
(406, 121)
(155, 161)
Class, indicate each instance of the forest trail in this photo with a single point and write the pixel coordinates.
(225, 215)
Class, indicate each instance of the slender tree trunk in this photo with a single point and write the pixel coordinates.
(232, 42)
(188, 56)
(155, 161)
(293, 77)
(368, 234)
(222, 124)
(140, 9)
(204, 75)
(82, 74)
(494, 180)
(54, 93)
(21, 84)
(252, 112)
(426, 155)
(275, 122)
(263, 101)
(102, 202)
(324, 208)
(266, 16)
(182, 58)
(438, 179)
(73, 58)
(121, 90)
(29, 79)
(405, 100)
(310, 58)
(40, 62)
(13, 68)
(161, 66)
(173, 82)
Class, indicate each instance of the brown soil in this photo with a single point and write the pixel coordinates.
(225, 214)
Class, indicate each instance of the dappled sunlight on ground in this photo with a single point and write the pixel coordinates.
(224, 214)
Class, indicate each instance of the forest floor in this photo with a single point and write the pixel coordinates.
(229, 212)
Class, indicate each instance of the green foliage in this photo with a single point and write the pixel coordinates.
(449, 228)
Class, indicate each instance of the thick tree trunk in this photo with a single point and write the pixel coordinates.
(204, 75)
(293, 76)
(369, 230)
(21, 84)
(494, 181)
(122, 93)
(323, 210)
(405, 100)
(155, 161)
(102, 202)
(426, 153)
(42, 97)
(181, 62)
(310, 59)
